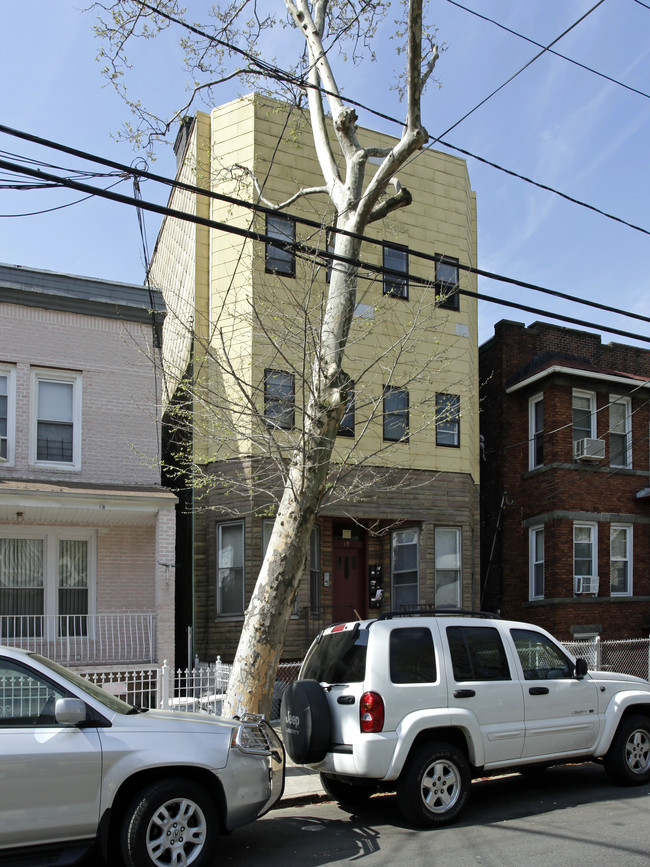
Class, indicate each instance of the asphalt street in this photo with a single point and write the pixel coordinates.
(569, 816)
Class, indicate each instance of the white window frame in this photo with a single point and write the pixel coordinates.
(534, 562)
(593, 528)
(220, 527)
(400, 538)
(629, 548)
(591, 397)
(9, 371)
(51, 539)
(60, 376)
(533, 433)
(627, 404)
(456, 566)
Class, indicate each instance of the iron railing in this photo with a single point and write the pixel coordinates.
(84, 639)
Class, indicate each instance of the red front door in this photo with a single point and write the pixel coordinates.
(349, 584)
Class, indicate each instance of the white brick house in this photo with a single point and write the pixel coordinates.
(87, 532)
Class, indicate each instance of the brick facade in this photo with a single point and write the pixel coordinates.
(99, 336)
(554, 363)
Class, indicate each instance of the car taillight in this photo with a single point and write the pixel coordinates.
(371, 708)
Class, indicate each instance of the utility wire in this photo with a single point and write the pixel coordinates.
(300, 82)
(519, 71)
(550, 50)
(231, 200)
(299, 247)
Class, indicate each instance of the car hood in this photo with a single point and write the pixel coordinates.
(620, 678)
(175, 721)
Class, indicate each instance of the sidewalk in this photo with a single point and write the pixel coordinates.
(301, 786)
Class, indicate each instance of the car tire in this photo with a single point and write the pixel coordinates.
(434, 786)
(345, 793)
(627, 761)
(305, 722)
(170, 822)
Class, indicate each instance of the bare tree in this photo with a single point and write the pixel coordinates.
(358, 199)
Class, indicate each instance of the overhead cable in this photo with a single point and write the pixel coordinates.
(311, 251)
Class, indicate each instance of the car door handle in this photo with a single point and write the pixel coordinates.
(464, 693)
(538, 690)
(345, 699)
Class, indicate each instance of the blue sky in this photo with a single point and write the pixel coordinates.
(555, 123)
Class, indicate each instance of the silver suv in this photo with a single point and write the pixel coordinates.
(421, 704)
(80, 767)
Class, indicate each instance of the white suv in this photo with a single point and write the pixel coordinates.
(154, 788)
(420, 704)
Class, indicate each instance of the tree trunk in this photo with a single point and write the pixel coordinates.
(267, 617)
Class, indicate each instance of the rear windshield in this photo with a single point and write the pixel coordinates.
(337, 658)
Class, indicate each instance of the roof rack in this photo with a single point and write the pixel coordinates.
(438, 612)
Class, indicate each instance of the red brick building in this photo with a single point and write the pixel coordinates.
(565, 493)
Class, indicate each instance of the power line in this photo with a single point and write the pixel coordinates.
(550, 50)
(519, 71)
(255, 207)
(305, 249)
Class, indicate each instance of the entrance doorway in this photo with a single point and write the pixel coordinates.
(349, 580)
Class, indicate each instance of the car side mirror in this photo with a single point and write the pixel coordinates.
(581, 668)
(70, 711)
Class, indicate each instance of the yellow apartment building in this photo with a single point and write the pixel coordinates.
(399, 526)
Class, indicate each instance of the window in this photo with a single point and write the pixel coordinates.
(396, 268)
(7, 413)
(314, 572)
(620, 560)
(279, 397)
(230, 568)
(535, 431)
(620, 429)
(536, 590)
(540, 658)
(477, 653)
(448, 567)
(584, 418)
(26, 698)
(412, 657)
(45, 584)
(448, 420)
(396, 414)
(584, 557)
(405, 546)
(56, 405)
(447, 283)
(339, 658)
(279, 260)
(346, 428)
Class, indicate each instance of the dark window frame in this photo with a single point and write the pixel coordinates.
(346, 427)
(393, 284)
(448, 421)
(278, 260)
(445, 286)
(392, 414)
(287, 403)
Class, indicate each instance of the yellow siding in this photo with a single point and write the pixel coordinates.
(230, 276)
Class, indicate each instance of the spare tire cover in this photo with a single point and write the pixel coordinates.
(305, 721)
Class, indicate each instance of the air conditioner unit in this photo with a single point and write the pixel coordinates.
(587, 585)
(589, 450)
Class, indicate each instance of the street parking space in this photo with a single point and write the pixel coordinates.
(564, 816)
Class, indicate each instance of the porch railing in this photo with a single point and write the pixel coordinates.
(84, 639)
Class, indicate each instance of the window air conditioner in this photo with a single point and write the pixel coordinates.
(589, 450)
(587, 585)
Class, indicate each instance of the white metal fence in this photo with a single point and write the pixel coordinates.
(196, 689)
(122, 637)
(202, 687)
